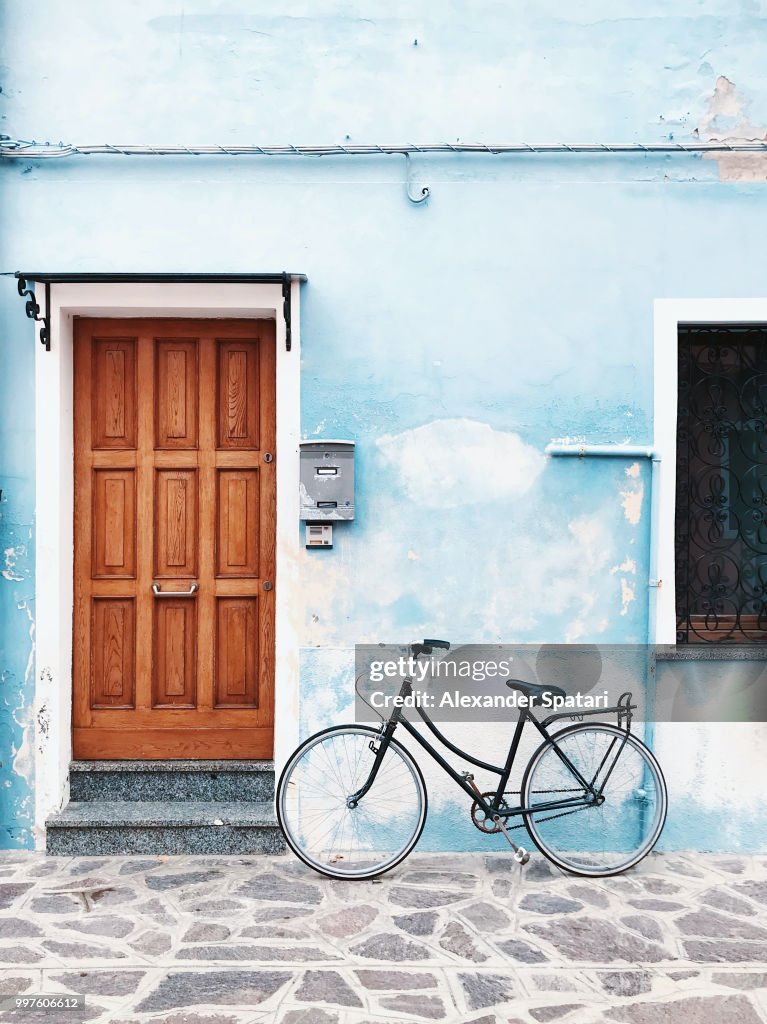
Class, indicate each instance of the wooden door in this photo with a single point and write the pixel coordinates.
(174, 437)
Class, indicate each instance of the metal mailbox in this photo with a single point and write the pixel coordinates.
(327, 481)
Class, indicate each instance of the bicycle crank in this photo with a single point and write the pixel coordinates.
(521, 856)
(482, 821)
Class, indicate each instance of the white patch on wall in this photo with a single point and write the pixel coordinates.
(560, 578)
(450, 463)
(586, 558)
(327, 705)
(627, 565)
(627, 595)
(632, 502)
(715, 765)
(9, 573)
(23, 756)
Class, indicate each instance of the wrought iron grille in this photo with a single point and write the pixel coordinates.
(721, 499)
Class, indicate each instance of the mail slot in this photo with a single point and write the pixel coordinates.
(327, 480)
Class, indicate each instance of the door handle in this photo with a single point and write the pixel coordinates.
(175, 593)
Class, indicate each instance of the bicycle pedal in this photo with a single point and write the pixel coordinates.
(521, 856)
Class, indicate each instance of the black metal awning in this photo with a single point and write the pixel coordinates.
(27, 280)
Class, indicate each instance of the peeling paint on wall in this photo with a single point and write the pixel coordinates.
(627, 595)
(23, 758)
(9, 572)
(631, 500)
(726, 120)
(628, 565)
(43, 715)
(23, 755)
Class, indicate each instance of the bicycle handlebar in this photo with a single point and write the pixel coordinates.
(428, 646)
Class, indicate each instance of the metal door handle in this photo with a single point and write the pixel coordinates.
(175, 593)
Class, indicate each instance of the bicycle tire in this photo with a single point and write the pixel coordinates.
(574, 863)
(288, 796)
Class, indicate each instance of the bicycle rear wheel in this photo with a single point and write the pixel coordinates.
(598, 839)
(334, 839)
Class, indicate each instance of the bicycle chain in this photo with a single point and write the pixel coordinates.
(516, 792)
(562, 814)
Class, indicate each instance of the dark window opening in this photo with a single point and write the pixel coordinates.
(721, 495)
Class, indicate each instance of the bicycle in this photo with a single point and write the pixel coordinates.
(352, 802)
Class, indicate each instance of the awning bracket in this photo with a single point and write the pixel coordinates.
(27, 281)
(32, 308)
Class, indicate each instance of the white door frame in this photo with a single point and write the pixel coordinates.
(54, 582)
(669, 313)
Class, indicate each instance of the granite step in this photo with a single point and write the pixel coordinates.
(227, 781)
(119, 827)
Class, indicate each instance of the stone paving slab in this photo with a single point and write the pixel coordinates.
(454, 938)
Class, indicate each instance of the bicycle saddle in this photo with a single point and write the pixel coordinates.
(535, 690)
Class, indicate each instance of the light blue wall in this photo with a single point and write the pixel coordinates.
(514, 307)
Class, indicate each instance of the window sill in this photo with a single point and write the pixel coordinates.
(713, 652)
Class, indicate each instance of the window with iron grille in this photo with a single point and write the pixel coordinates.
(721, 498)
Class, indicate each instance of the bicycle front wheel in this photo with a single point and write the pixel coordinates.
(616, 832)
(327, 834)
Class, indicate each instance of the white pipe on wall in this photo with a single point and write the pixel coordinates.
(629, 451)
(653, 583)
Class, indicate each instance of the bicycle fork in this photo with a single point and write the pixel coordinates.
(382, 739)
(521, 856)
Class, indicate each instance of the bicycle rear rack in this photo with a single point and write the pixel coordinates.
(623, 709)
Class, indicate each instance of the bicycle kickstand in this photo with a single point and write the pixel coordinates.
(521, 856)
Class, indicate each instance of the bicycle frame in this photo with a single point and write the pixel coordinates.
(493, 809)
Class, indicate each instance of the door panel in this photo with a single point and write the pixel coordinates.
(237, 652)
(114, 393)
(113, 646)
(176, 394)
(238, 522)
(172, 421)
(114, 523)
(237, 388)
(174, 677)
(175, 524)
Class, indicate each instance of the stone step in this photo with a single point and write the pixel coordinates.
(119, 827)
(227, 781)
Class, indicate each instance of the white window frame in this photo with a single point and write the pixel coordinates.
(54, 583)
(668, 314)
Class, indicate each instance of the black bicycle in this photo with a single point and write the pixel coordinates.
(351, 800)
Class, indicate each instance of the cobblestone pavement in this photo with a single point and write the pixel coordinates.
(469, 938)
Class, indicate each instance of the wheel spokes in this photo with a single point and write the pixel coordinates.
(350, 841)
